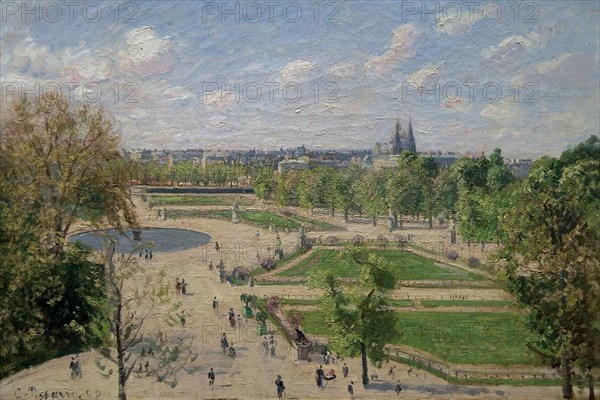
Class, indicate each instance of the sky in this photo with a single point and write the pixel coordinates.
(471, 75)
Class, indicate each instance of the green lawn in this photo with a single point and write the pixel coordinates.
(407, 266)
(309, 302)
(258, 218)
(459, 338)
(184, 200)
(466, 303)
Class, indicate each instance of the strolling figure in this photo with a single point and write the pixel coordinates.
(398, 388)
(351, 389)
(211, 379)
(224, 343)
(345, 370)
(183, 287)
(280, 386)
(320, 377)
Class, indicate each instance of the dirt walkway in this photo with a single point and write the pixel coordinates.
(252, 374)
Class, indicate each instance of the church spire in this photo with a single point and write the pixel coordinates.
(412, 147)
(396, 140)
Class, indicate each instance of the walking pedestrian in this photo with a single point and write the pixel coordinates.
(215, 303)
(217, 247)
(398, 388)
(280, 386)
(351, 389)
(265, 344)
(177, 286)
(182, 318)
(72, 368)
(320, 377)
(224, 343)
(211, 379)
(183, 287)
(345, 370)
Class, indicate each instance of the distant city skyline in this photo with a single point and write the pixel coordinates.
(520, 76)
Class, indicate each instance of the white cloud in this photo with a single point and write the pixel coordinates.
(297, 70)
(400, 49)
(512, 48)
(87, 65)
(426, 76)
(178, 93)
(343, 70)
(148, 54)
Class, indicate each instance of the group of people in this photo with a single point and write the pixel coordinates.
(227, 347)
(147, 254)
(181, 287)
(269, 346)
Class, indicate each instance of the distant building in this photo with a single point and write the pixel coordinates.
(293, 164)
(403, 140)
(519, 167)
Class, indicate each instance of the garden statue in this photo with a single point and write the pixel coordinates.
(235, 208)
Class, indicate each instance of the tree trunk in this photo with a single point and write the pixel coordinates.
(346, 216)
(120, 361)
(567, 385)
(374, 219)
(365, 365)
(592, 395)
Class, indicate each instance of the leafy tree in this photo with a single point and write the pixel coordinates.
(427, 170)
(60, 154)
(129, 310)
(446, 193)
(498, 175)
(371, 192)
(264, 183)
(343, 192)
(58, 163)
(358, 314)
(552, 252)
(282, 197)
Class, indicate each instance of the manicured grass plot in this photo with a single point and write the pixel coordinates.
(258, 218)
(458, 338)
(466, 303)
(406, 266)
(196, 201)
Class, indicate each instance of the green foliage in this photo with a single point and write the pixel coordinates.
(58, 163)
(552, 254)
(359, 317)
(404, 266)
(264, 183)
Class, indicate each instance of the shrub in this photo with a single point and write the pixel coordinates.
(474, 262)
(358, 239)
(273, 303)
(452, 255)
(331, 240)
(268, 264)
